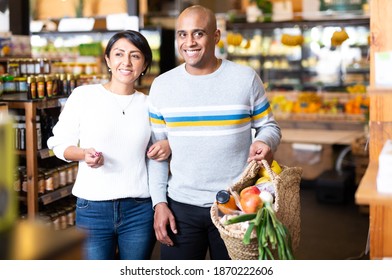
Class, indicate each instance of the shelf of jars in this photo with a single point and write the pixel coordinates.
(40, 178)
(81, 53)
(33, 121)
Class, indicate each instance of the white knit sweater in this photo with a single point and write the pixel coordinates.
(92, 118)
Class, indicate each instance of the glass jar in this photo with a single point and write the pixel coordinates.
(13, 68)
(41, 182)
(23, 67)
(9, 83)
(21, 84)
(30, 67)
(41, 87)
(38, 66)
(56, 82)
(63, 85)
(69, 170)
(70, 210)
(55, 218)
(75, 168)
(63, 218)
(56, 178)
(62, 176)
(46, 66)
(31, 87)
(48, 85)
(49, 185)
(71, 83)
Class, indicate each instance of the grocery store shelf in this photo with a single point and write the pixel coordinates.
(325, 21)
(18, 100)
(320, 136)
(298, 123)
(45, 153)
(55, 195)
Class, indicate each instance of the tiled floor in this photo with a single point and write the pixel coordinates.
(328, 231)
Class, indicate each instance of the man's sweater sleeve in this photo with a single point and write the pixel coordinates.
(158, 173)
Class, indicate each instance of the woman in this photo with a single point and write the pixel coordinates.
(105, 127)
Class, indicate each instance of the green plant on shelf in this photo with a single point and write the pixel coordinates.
(79, 9)
(266, 7)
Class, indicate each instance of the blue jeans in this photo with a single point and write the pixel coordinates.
(125, 225)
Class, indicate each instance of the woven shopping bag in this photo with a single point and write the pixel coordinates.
(286, 204)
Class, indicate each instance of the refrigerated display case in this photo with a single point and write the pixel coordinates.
(311, 64)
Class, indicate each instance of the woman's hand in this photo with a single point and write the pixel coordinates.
(93, 158)
(159, 151)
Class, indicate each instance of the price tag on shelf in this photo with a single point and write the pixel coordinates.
(76, 24)
(36, 25)
(122, 22)
(383, 64)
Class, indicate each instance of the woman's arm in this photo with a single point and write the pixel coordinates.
(92, 158)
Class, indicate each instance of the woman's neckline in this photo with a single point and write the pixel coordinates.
(108, 88)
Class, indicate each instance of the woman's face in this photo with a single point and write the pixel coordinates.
(125, 61)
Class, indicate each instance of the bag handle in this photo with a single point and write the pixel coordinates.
(253, 168)
(270, 172)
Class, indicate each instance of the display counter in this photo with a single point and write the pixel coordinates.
(314, 149)
(380, 211)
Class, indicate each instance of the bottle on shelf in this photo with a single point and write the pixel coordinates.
(41, 87)
(31, 87)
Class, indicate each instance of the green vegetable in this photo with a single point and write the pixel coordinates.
(270, 232)
(240, 219)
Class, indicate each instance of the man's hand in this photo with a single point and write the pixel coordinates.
(259, 151)
(163, 217)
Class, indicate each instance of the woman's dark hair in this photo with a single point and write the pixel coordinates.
(137, 39)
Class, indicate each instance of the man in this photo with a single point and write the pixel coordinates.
(206, 108)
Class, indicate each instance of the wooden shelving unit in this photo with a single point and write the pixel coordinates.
(380, 204)
(30, 107)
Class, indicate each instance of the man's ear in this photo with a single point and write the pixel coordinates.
(217, 36)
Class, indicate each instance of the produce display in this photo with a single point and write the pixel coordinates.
(338, 37)
(252, 211)
(292, 40)
(352, 105)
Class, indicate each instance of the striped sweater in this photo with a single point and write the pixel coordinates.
(208, 120)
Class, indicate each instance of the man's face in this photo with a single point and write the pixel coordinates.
(196, 40)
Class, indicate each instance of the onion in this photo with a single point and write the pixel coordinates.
(266, 197)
